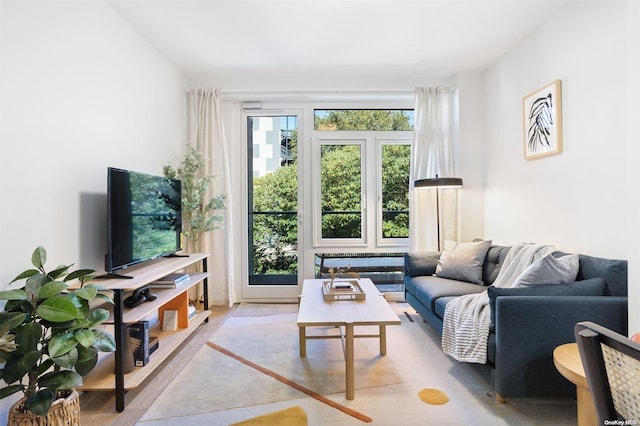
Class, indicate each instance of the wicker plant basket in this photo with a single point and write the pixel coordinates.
(65, 411)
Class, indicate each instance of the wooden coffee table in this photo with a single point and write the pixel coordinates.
(314, 311)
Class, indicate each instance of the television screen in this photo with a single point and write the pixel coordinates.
(144, 215)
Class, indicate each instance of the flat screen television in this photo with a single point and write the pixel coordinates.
(144, 218)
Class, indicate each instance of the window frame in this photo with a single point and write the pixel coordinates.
(337, 138)
(380, 240)
(371, 148)
(260, 283)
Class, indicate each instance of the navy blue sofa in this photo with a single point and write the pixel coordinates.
(525, 329)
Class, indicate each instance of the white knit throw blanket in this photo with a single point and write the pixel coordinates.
(465, 328)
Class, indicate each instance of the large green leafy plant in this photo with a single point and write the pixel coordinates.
(48, 334)
(199, 213)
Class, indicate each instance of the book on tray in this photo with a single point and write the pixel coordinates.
(171, 280)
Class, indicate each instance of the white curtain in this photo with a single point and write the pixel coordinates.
(206, 134)
(434, 154)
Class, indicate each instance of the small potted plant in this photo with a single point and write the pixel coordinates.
(199, 213)
(49, 340)
(334, 272)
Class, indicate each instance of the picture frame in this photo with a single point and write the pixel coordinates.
(542, 120)
(170, 320)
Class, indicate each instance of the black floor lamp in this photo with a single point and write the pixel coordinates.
(438, 183)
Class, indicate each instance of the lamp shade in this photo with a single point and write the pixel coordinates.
(438, 182)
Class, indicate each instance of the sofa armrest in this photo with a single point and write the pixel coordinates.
(421, 263)
(529, 328)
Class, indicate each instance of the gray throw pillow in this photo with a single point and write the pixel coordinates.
(590, 287)
(464, 263)
(549, 270)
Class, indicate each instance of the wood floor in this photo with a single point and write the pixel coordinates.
(98, 408)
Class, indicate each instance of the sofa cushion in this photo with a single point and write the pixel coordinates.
(464, 263)
(614, 273)
(428, 289)
(441, 304)
(549, 270)
(421, 263)
(493, 262)
(590, 287)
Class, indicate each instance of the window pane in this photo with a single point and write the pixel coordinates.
(341, 189)
(363, 119)
(273, 208)
(395, 190)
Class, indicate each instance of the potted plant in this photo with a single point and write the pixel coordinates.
(49, 339)
(198, 212)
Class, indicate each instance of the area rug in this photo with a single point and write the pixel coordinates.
(293, 416)
(217, 389)
(433, 396)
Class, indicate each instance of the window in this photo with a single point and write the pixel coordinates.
(362, 157)
(340, 190)
(273, 199)
(394, 192)
(363, 119)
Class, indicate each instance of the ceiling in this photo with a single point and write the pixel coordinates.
(334, 37)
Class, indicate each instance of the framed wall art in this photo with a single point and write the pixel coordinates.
(542, 117)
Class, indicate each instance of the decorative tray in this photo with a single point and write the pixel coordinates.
(342, 290)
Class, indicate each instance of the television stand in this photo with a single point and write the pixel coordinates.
(109, 373)
(177, 255)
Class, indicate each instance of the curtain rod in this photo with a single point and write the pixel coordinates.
(317, 96)
(319, 91)
(314, 92)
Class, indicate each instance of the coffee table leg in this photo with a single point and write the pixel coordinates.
(349, 358)
(302, 333)
(383, 340)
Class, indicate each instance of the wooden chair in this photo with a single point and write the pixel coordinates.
(612, 366)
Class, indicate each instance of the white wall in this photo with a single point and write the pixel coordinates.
(470, 87)
(81, 90)
(576, 200)
(633, 156)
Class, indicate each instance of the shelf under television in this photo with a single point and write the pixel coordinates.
(164, 295)
(102, 377)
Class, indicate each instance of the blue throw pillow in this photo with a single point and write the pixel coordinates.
(614, 273)
(590, 287)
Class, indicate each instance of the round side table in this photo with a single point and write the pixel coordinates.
(567, 360)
